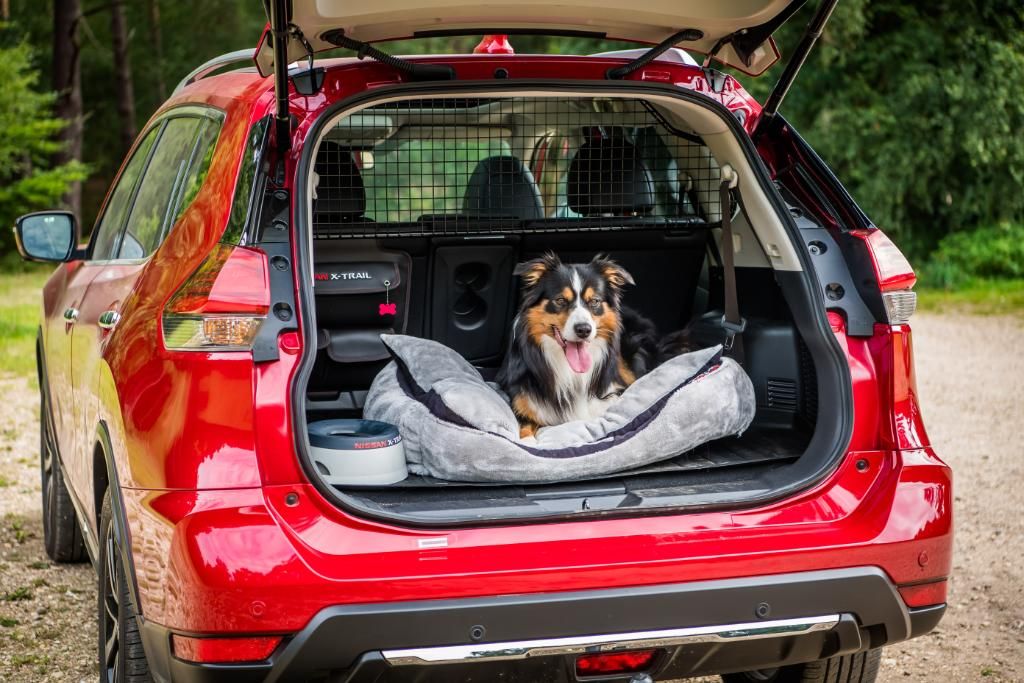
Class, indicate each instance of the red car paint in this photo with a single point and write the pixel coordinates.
(204, 452)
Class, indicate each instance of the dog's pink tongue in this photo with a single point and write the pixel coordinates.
(578, 356)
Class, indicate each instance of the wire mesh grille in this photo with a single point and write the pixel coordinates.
(519, 164)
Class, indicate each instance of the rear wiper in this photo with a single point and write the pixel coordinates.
(687, 35)
(416, 70)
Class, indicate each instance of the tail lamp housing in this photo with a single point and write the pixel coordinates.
(222, 305)
(895, 276)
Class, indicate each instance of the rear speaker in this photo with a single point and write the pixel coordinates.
(471, 299)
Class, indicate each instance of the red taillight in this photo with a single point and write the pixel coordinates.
(224, 650)
(924, 594)
(891, 266)
(221, 306)
(614, 663)
(895, 276)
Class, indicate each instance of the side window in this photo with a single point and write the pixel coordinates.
(153, 207)
(200, 166)
(109, 226)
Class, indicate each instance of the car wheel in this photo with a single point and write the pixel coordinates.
(62, 536)
(860, 667)
(121, 657)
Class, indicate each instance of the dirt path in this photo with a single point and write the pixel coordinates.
(971, 377)
(970, 373)
(47, 610)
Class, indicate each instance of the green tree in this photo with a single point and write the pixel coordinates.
(918, 108)
(28, 181)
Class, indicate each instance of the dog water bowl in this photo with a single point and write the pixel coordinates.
(361, 452)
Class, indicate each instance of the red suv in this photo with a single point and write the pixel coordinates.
(264, 232)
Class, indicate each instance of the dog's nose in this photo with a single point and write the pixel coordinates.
(582, 330)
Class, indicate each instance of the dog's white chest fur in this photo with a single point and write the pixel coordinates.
(574, 399)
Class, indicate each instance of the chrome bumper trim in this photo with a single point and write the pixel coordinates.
(523, 649)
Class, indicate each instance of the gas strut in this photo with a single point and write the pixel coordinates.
(279, 37)
(811, 35)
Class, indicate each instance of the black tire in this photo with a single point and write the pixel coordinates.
(860, 667)
(121, 657)
(62, 537)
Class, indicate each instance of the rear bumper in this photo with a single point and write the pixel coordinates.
(699, 627)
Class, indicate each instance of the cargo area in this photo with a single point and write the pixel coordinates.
(420, 210)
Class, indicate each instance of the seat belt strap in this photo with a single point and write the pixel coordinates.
(733, 324)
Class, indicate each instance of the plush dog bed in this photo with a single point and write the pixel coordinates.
(458, 427)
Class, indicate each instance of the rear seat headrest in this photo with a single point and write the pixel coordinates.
(502, 186)
(607, 176)
(339, 191)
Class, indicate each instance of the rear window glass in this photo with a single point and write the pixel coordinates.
(472, 165)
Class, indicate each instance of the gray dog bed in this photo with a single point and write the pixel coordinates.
(458, 427)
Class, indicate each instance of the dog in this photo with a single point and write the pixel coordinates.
(574, 348)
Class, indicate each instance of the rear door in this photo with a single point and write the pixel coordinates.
(75, 444)
(164, 174)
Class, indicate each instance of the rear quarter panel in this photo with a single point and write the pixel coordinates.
(180, 420)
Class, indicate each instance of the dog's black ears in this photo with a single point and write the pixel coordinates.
(532, 271)
(617, 276)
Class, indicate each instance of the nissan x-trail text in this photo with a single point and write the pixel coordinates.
(272, 221)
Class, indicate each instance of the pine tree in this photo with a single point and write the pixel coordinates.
(28, 179)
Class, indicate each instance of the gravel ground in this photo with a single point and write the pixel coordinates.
(971, 377)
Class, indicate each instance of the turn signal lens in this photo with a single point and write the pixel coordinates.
(224, 650)
(614, 663)
(899, 306)
(221, 306)
(210, 334)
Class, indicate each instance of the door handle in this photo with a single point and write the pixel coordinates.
(108, 319)
(70, 315)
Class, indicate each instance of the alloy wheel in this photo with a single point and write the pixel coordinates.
(111, 616)
(48, 481)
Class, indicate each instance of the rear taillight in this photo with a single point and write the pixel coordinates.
(224, 650)
(222, 305)
(894, 273)
(614, 663)
(925, 594)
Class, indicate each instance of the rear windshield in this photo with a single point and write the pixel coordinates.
(470, 165)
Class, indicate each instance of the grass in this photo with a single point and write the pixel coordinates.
(21, 593)
(19, 321)
(981, 297)
(30, 659)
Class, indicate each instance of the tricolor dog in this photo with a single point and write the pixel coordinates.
(574, 346)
